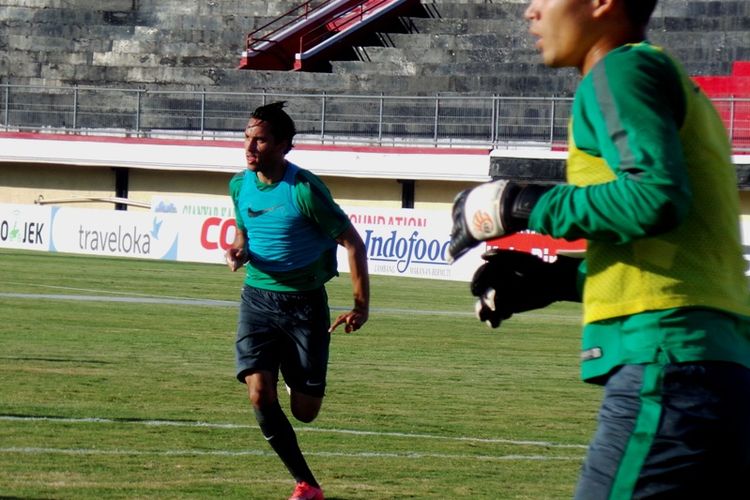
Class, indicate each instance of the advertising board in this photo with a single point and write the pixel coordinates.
(400, 242)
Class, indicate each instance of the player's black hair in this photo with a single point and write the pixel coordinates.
(639, 11)
(282, 125)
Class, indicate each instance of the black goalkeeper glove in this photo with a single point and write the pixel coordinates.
(512, 282)
(491, 210)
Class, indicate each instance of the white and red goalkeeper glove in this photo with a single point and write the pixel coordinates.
(489, 211)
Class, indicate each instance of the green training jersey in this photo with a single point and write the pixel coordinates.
(653, 191)
(313, 200)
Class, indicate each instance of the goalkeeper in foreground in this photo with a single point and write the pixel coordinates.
(666, 306)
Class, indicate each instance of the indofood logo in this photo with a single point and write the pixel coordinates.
(121, 239)
(403, 251)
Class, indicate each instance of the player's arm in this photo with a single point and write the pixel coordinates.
(357, 255)
(236, 254)
(314, 200)
(631, 119)
(491, 210)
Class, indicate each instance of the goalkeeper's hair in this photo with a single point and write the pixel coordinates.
(639, 11)
(281, 124)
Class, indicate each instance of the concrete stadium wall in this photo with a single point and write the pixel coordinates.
(364, 192)
(428, 194)
(437, 195)
(134, 170)
(145, 184)
(383, 193)
(25, 183)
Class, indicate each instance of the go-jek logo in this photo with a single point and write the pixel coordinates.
(16, 231)
(406, 250)
(27, 233)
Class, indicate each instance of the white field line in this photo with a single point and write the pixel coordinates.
(262, 453)
(406, 435)
(102, 292)
(136, 298)
(132, 300)
(142, 298)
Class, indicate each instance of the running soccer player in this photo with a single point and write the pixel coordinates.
(288, 228)
(666, 306)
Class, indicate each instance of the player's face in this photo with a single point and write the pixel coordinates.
(263, 153)
(562, 30)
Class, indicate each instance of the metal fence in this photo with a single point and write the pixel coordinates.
(381, 120)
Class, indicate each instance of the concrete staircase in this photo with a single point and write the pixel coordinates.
(708, 36)
(476, 46)
(453, 46)
(123, 42)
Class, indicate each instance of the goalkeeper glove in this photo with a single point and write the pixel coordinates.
(489, 211)
(512, 282)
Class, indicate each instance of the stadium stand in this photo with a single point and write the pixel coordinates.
(459, 46)
(440, 47)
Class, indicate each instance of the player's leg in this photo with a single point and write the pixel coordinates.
(671, 431)
(258, 350)
(702, 446)
(619, 411)
(305, 408)
(305, 362)
(275, 426)
(304, 319)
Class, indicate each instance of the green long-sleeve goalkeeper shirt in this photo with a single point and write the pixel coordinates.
(653, 191)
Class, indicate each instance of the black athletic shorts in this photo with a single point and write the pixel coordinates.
(286, 331)
(671, 431)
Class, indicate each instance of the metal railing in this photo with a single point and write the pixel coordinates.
(378, 120)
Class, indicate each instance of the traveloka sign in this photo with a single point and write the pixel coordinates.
(114, 233)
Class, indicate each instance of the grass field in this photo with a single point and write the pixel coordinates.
(117, 381)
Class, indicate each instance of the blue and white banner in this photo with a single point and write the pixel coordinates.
(400, 242)
(115, 233)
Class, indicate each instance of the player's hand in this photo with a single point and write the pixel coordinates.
(512, 282)
(235, 258)
(352, 320)
(491, 210)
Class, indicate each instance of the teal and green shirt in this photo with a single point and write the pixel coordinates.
(653, 191)
(291, 228)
